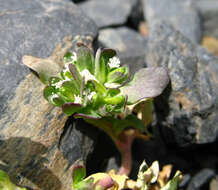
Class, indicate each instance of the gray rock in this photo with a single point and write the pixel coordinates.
(200, 179)
(30, 128)
(209, 11)
(180, 14)
(129, 44)
(110, 13)
(189, 107)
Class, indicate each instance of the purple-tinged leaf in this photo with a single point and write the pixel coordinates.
(147, 83)
(104, 183)
(76, 76)
(71, 108)
(86, 116)
(45, 68)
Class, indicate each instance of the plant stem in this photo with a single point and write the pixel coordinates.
(124, 147)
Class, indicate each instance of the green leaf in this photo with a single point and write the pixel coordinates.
(85, 59)
(67, 57)
(114, 100)
(77, 79)
(130, 121)
(173, 183)
(67, 91)
(71, 108)
(78, 174)
(50, 95)
(6, 184)
(87, 184)
(101, 60)
(147, 83)
(45, 68)
(119, 75)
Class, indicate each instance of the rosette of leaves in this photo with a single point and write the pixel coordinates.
(6, 184)
(95, 88)
(148, 178)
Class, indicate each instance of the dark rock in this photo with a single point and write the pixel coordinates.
(78, 140)
(129, 44)
(188, 108)
(180, 14)
(200, 179)
(30, 128)
(209, 12)
(114, 12)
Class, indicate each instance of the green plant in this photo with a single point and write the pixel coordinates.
(148, 178)
(6, 184)
(96, 89)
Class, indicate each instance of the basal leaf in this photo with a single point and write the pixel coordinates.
(71, 108)
(45, 68)
(147, 83)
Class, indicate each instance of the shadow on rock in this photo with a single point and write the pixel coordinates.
(24, 159)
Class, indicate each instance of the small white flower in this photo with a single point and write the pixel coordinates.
(114, 62)
(74, 57)
(53, 96)
(60, 83)
(91, 95)
(78, 100)
(88, 76)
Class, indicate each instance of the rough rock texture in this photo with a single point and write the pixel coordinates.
(129, 44)
(200, 179)
(180, 14)
(110, 13)
(29, 127)
(209, 11)
(189, 107)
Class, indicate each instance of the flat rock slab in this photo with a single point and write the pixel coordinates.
(180, 14)
(129, 44)
(113, 12)
(189, 107)
(30, 128)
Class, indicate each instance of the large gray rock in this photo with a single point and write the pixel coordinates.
(209, 11)
(180, 14)
(30, 128)
(129, 44)
(110, 13)
(189, 107)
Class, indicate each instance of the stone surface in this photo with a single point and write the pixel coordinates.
(188, 108)
(113, 12)
(180, 14)
(30, 128)
(209, 11)
(129, 44)
(200, 179)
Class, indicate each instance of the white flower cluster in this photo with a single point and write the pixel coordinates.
(88, 76)
(114, 62)
(66, 65)
(77, 100)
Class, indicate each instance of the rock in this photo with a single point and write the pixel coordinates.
(114, 12)
(188, 108)
(200, 179)
(209, 12)
(78, 140)
(180, 14)
(129, 44)
(30, 128)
